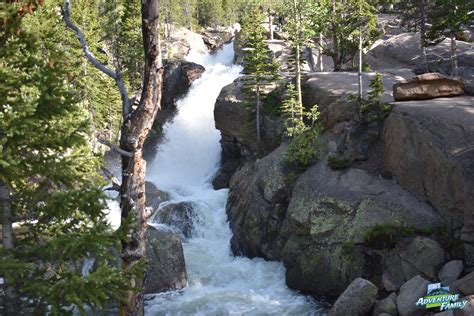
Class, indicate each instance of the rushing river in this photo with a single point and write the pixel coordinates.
(187, 159)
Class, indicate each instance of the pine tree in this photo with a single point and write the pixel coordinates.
(50, 179)
(447, 19)
(259, 63)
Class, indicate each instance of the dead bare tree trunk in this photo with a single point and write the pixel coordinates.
(454, 56)
(134, 133)
(136, 126)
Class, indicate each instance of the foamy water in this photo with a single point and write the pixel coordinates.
(218, 282)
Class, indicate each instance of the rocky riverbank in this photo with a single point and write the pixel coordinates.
(397, 214)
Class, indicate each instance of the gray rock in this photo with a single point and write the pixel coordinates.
(177, 78)
(154, 196)
(329, 208)
(387, 306)
(180, 215)
(410, 292)
(257, 196)
(465, 285)
(450, 272)
(428, 148)
(357, 299)
(166, 266)
(421, 256)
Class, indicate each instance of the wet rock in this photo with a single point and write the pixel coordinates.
(410, 292)
(450, 272)
(357, 299)
(256, 205)
(154, 196)
(465, 285)
(215, 39)
(177, 78)
(222, 178)
(180, 215)
(427, 86)
(428, 149)
(331, 208)
(166, 266)
(387, 306)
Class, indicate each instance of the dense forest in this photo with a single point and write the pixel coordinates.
(83, 80)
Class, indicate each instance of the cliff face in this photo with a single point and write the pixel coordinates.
(411, 179)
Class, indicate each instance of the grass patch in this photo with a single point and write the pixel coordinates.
(337, 164)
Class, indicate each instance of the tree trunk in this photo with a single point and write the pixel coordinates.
(454, 56)
(423, 33)
(320, 53)
(258, 113)
(270, 25)
(359, 75)
(134, 133)
(10, 303)
(298, 76)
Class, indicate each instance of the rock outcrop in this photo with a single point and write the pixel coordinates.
(451, 272)
(166, 267)
(179, 215)
(154, 197)
(427, 86)
(410, 292)
(429, 149)
(238, 142)
(177, 78)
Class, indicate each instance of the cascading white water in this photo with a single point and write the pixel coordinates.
(218, 282)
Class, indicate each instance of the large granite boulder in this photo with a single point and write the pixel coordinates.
(179, 215)
(357, 299)
(386, 306)
(427, 86)
(181, 42)
(256, 206)
(154, 196)
(429, 149)
(177, 78)
(330, 210)
(450, 272)
(215, 39)
(410, 292)
(238, 141)
(166, 268)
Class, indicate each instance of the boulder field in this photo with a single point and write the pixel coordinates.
(401, 215)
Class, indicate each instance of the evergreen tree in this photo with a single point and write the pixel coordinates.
(49, 179)
(259, 64)
(447, 19)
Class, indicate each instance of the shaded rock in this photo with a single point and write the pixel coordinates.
(166, 267)
(393, 276)
(387, 306)
(427, 86)
(256, 206)
(410, 292)
(238, 139)
(215, 39)
(450, 272)
(154, 196)
(329, 208)
(421, 256)
(177, 78)
(222, 178)
(429, 149)
(357, 299)
(180, 215)
(465, 285)
(468, 310)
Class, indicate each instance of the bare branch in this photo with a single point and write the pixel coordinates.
(97, 64)
(116, 148)
(115, 182)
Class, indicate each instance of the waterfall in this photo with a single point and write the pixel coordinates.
(187, 159)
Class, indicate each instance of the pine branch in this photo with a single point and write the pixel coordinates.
(96, 63)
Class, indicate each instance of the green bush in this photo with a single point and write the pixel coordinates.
(303, 148)
(383, 236)
(337, 164)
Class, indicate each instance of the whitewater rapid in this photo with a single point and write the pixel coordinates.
(187, 159)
